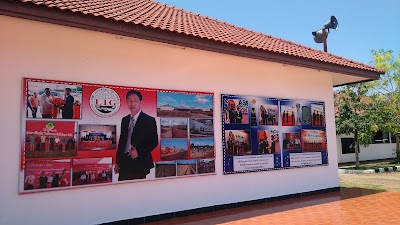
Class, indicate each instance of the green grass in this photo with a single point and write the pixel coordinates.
(371, 166)
(375, 181)
(364, 186)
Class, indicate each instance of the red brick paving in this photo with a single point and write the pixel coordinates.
(349, 206)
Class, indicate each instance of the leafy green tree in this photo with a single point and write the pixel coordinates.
(387, 93)
(356, 115)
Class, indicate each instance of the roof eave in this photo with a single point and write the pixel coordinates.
(357, 82)
(79, 20)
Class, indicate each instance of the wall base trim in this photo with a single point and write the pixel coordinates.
(189, 212)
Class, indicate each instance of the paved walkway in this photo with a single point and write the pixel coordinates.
(349, 206)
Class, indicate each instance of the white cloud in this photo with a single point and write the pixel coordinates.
(201, 99)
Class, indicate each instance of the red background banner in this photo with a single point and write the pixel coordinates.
(59, 128)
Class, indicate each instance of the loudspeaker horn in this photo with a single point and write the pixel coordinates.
(331, 24)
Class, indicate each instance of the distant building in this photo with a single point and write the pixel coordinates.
(182, 108)
(167, 107)
(196, 125)
(381, 148)
(200, 109)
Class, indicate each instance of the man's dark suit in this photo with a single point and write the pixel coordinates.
(67, 109)
(144, 138)
(238, 115)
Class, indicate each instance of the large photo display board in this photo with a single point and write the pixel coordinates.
(76, 134)
(261, 133)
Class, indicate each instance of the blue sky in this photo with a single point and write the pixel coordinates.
(187, 161)
(166, 163)
(202, 142)
(363, 25)
(190, 100)
(178, 143)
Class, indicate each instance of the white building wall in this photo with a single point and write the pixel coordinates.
(40, 50)
(372, 152)
(197, 125)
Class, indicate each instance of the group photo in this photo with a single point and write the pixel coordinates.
(97, 137)
(313, 140)
(41, 146)
(53, 100)
(50, 139)
(268, 115)
(318, 117)
(42, 174)
(288, 115)
(91, 171)
(237, 142)
(291, 141)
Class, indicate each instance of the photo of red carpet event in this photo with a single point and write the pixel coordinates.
(97, 137)
(91, 171)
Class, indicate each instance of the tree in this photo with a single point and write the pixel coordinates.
(387, 93)
(356, 115)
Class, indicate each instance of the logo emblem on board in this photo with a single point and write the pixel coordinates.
(50, 126)
(105, 102)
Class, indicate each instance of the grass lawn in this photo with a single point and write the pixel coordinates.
(376, 181)
(371, 166)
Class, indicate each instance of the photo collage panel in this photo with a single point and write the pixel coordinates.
(261, 133)
(81, 134)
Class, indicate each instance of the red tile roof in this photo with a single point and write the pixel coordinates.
(160, 16)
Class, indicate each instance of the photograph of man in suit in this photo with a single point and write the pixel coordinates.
(138, 138)
(67, 109)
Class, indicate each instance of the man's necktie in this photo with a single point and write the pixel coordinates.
(129, 137)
